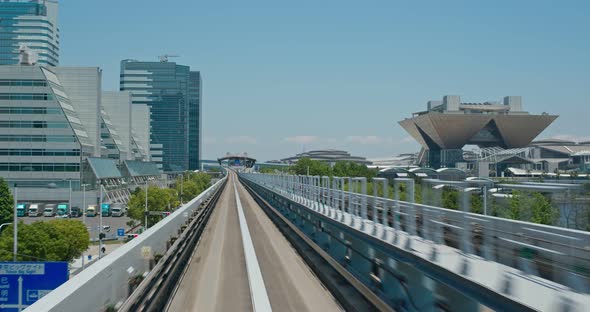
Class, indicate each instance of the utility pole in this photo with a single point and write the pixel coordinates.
(15, 225)
(181, 187)
(70, 200)
(146, 203)
(100, 223)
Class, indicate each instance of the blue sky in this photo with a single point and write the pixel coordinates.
(284, 76)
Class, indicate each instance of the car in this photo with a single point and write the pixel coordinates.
(63, 216)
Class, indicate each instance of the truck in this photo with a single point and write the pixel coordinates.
(105, 209)
(34, 210)
(50, 210)
(21, 210)
(62, 209)
(91, 211)
(117, 210)
(75, 212)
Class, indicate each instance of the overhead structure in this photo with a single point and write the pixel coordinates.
(237, 160)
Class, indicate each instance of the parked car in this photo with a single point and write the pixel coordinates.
(50, 210)
(35, 210)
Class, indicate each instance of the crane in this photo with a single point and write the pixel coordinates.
(164, 58)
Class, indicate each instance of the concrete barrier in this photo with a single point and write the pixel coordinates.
(106, 282)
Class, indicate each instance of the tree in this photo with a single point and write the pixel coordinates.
(515, 205)
(157, 201)
(542, 210)
(55, 240)
(450, 198)
(6, 203)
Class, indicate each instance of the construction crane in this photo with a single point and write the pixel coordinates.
(164, 58)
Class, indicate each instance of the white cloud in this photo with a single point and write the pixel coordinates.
(241, 139)
(302, 139)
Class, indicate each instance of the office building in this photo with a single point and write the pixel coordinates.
(445, 128)
(30, 24)
(43, 137)
(173, 94)
(141, 131)
(116, 106)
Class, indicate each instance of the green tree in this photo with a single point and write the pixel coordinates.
(157, 201)
(450, 198)
(55, 240)
(543, 211)
(6, 203)
(515, 205)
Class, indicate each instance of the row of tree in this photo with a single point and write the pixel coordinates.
(185, 188)
(54, 240)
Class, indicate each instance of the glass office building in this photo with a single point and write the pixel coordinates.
(32, 24)
(173, 94)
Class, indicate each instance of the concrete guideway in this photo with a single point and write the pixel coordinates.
(218, 278)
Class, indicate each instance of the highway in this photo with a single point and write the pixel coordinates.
(226, 274)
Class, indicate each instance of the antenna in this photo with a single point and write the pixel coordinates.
(164, 58)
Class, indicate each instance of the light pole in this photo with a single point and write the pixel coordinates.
(15, 225)
(146, 202)
(70, 200)
(181, 187)
(84, 203)
(100, 222)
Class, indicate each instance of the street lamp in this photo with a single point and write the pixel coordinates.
(146, 202)
(4, 224)
(84, 202)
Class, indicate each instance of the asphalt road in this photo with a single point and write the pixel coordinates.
(218, 278)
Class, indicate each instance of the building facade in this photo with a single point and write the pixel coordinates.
(330, 156)
(43, 139)
(173, 94)
(447, 126)
(31, 24)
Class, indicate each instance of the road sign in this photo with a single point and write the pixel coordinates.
(120, 232)
(146, 252)
(23, 283)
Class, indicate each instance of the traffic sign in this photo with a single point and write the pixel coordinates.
(23, 283)
(146, 252)
(120, 232)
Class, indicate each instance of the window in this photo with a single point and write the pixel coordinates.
(47, 167)
(26, 96)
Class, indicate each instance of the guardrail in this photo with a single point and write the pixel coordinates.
(107, 282)
(555, 259)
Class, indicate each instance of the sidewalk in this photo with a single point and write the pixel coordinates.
(76, 265)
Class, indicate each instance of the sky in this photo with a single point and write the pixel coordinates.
(282, 77)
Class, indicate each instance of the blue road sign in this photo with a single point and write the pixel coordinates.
(120, 232)
(23, 283)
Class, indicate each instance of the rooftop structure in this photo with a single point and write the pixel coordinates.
(330, 155)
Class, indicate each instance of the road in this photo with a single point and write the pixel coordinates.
(222, 275)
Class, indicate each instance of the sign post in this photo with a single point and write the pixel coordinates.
(23, 283)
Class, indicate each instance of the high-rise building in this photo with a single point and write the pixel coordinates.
(31, 24)
(195, 125)
(173, 94)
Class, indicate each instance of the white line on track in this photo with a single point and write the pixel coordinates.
(260, 300)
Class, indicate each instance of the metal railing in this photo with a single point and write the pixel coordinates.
(552, 253)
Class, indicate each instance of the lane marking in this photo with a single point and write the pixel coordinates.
(260, 300)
